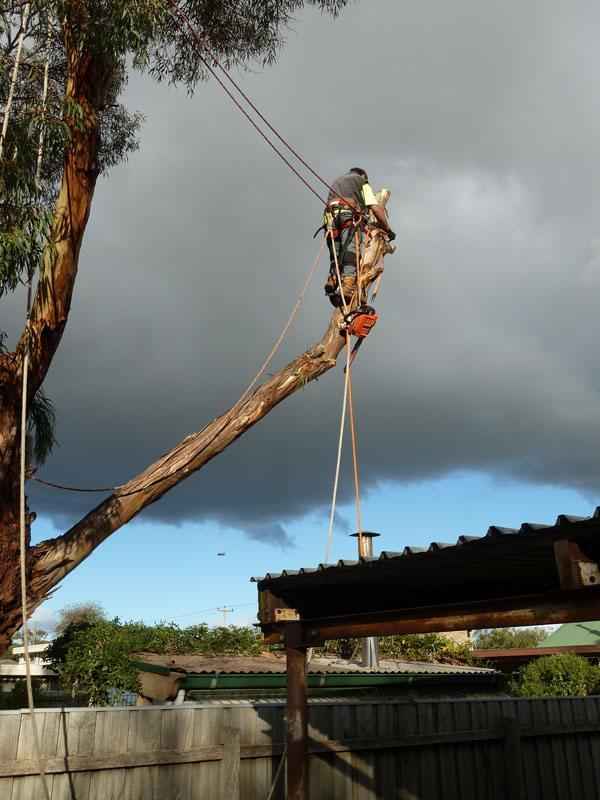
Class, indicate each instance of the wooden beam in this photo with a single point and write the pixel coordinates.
(575, 569)
(555, 607)
(297, 714)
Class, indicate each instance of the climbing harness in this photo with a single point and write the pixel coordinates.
(342, 231)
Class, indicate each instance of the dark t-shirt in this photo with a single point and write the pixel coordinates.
(348, 186)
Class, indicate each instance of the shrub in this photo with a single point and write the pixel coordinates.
(562, 675)
(94, 658)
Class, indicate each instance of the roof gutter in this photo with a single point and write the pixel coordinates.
(278, 680)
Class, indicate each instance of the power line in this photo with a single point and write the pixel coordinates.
(225, 610)
(204, 41)
(227, 417)
(179, 16)
(213, 609)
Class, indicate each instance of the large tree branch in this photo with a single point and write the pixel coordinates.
(55, 558)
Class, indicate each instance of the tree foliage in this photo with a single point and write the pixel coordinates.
(121, 35)
(79, 614)
(429, 647)
(560, 675)
(95, 659)
(508, 638)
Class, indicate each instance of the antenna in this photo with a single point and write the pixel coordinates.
(225, 610)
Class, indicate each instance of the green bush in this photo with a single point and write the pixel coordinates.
(94, 658)
(563, 675)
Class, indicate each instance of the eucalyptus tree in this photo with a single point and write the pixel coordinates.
(65, 106)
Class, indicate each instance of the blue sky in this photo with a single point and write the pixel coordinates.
(151, 571)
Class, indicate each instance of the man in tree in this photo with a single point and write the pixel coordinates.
(63, 67)
(349, 200)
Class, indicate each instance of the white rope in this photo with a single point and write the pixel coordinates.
(329, 544)
(13, 80)
(23, 459)
(286, 327)
(277, 774)
(355, 464)
(23, 564)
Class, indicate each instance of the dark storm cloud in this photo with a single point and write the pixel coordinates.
(485, 123)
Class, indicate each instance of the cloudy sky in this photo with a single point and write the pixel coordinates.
(478, 393)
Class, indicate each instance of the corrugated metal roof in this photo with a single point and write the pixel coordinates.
(271, 664)
(494, 533)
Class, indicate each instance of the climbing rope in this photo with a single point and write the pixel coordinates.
(275, 780)
(355, 465)
(242, 399)
(23, 572)
(179, 15)
(346, 403)
(23, 441)
(336, 479)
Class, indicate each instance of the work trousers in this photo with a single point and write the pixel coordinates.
(344, 242)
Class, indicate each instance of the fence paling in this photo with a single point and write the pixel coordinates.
(182, 746)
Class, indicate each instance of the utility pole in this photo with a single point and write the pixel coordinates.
(225, 610)
(370, 647)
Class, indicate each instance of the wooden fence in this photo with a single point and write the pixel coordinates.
(380, 750)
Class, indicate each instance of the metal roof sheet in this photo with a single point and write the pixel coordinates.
(494, 533)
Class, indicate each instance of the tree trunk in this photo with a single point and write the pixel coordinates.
(87, 82)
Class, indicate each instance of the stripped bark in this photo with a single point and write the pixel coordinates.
(54, 559)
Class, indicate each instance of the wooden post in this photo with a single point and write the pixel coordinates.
(297, 715)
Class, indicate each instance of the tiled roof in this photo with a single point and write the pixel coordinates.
(271, 664)
(494, 534)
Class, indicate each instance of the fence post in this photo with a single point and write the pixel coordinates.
(512, 758)
(230, 765)
(297, 714)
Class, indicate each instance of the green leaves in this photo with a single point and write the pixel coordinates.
(505, 638)
(428, 647)
(95, 658)
(40, 427)
(561, 675)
